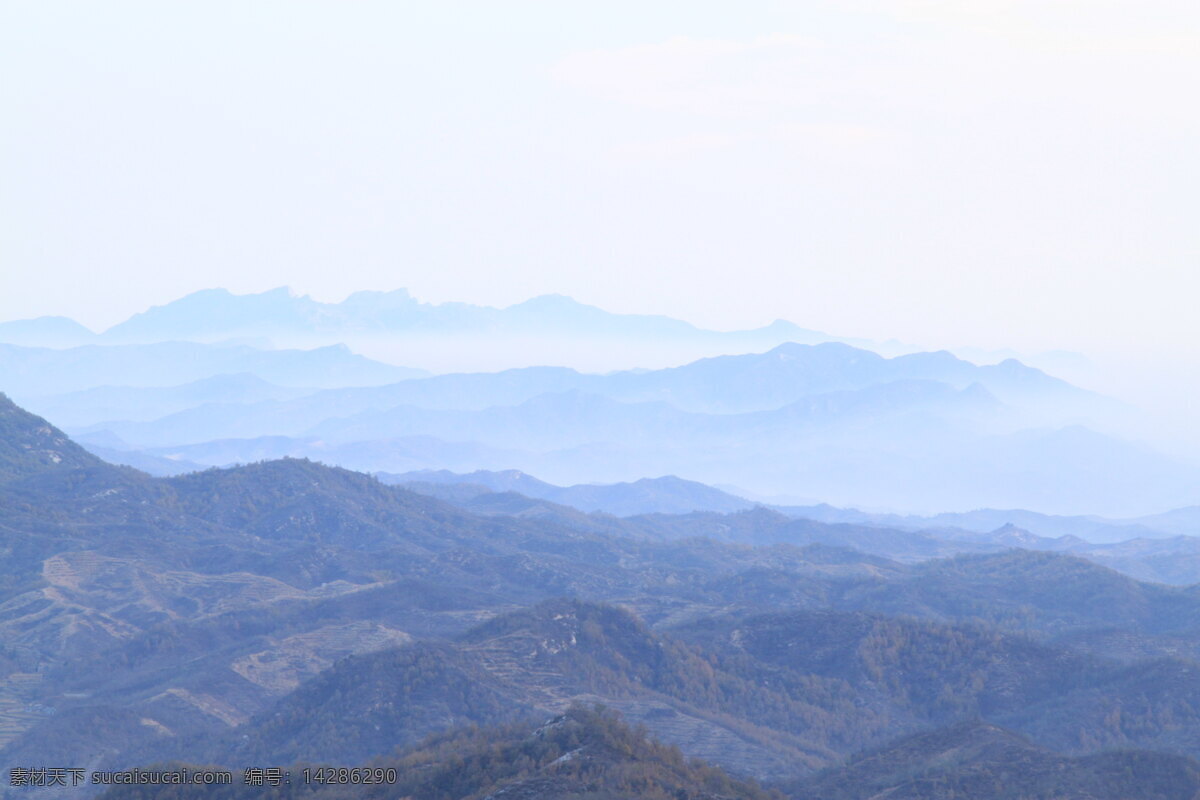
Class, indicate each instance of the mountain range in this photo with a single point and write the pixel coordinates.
(801, 419)
(665, 495)
(822, 595)
(823, 422)
(672, 495)
(303, 612)
(879, 448)
(395, 326)
(33, 372)
(1128, 546)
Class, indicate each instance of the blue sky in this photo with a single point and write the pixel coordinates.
(997, 174)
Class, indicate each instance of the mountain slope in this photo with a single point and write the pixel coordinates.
(974, 759)
(541, 661)
(664, 495)
(155, 614)
(30, 445)
(583, 754)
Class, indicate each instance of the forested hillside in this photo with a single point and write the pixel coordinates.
(287, 611)
(584, 753)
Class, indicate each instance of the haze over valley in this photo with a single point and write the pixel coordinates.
(216, 379)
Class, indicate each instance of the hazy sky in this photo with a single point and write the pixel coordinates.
(1019, 174)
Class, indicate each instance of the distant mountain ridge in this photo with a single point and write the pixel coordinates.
(669, 492)
(29, 372)
(790, 375)
(144, 403)
(827, 421)
(213, 315)
(218, 312)
(695, 509)
(46, 332)
(664, 495)
(925, 452)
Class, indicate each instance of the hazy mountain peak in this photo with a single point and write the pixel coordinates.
(46, 331)
(368, 318)
(213, 314)
(782, 324)
(798, 348)
(553, 301)
(1010, 534)
(511, 474)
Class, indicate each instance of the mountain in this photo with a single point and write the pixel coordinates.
(697, 387)
(273, 572)
(569, 419)
(216, 314)
(286, 609)
(29, 445)
(975, 759)
(142, 403)
(1095, 536)
(728, 384)
(1089, 528)
(665, 495)
(786, 373)
(1179, 521)
(1175, 560)
(560, 419)
(30, 372)
(45, 332)
(583, 754)
(537, 661)
(443, 337)
(916, 432)
(1172, 560)
(772, 695)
